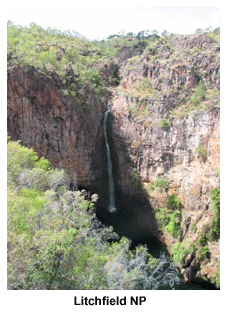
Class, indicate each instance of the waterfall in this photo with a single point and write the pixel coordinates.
(111, 206)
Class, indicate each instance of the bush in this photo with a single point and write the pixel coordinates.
(173, 201)
(174, 225)
(150, 187)
(202, 240)
(164, 123)
(215, 222)
(202, 151)
(171, 222)
(218, 171)
(194, 227)
(203, 252)
(216, 279)
(179, 253)
(162, 217)
(200, 93)
(163, 183)
(215, 197)
(136, 177)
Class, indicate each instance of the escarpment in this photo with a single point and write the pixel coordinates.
(66, 131)
(164, 133)
(166, 119)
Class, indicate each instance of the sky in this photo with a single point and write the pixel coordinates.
(98, 22)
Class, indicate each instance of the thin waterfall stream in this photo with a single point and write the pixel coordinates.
(111, 206)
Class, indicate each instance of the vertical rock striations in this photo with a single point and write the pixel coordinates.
(166, 125)
(68, 134)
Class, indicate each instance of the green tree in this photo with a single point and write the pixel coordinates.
(55, 242)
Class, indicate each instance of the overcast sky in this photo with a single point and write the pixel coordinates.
(102, 21)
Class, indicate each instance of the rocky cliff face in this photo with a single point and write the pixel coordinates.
(160, 129)
(69, 135)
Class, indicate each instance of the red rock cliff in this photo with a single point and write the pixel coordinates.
(158, 129)
(68, 134)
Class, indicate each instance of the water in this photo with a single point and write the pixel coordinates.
(111, 206)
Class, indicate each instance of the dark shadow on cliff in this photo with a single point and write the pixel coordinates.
(134, 217)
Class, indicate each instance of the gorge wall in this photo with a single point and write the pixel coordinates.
(69, 135)
(165, 122)
(163, 127)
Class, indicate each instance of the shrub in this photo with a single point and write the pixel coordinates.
(72, 87)
(215, 197)
(162, 217)
(216, 278)
(202, 151)
(200, 93)
(218, 171)
(194, 227)
(150, 187)
(164, 123)
(202, 240)
(215, 222)
(136, 177)
(203, 252)
(163, 183)
(173, 201)
(179, 253)
(174, 225)
(214, 231)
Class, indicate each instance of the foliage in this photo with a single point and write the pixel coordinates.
(203, 252)
(173, 226)
(202, 240)
(164, 123)
(193, 226)
(215, 197)
(180, 252)
(55, 242)
(143, 84)
(199, 94)
(218, 171)
(150, 187)
(202, 151)
(141, 35)
(215, 221)
(162, 217)
(170, 221)
(216, 278)
(135, 177)
(173, 201)
(162, 183)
